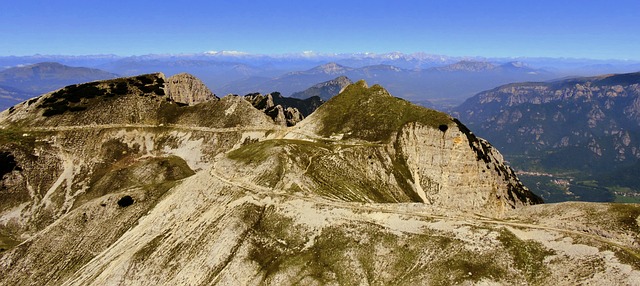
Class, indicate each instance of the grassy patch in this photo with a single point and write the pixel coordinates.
(15, 136)
(468, 266)
(528, 256)
(626, 216)
(7, 242)
(626, 200)
(372, 114)
(259, 151)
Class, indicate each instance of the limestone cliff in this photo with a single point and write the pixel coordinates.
(187, 89)
(217, 193)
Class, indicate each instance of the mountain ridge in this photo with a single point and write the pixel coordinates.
(218, 193)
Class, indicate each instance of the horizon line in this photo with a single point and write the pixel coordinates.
(312, 54)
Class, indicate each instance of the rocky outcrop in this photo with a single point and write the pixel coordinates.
(280, 108)
(187, 89)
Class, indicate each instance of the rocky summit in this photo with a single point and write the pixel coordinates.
(148, 180)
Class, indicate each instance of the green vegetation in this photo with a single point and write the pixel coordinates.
(258, 152)
(114, 176)
(467, 265)
(7, 242)
(627, 200)
(372, 114)
(528, 256)
(68, 98)
(17, 138)
(626, 216)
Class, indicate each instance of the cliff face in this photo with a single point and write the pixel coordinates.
(187, 89)
(217, 193)
(594, 121)
(599, 114)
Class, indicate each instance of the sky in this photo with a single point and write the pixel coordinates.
(488, 28)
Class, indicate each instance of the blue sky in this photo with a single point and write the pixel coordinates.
(490, 28)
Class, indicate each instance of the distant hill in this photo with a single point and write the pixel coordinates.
(586, 127)
(48, 76)
(324, 90)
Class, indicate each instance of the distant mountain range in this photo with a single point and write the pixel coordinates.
(48, 76)
(432, 80)
(305, 60)
(444, 86)
(579, 129)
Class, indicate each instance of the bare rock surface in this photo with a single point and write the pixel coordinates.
(187, 89)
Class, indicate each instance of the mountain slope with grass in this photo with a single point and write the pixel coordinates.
(118, 181)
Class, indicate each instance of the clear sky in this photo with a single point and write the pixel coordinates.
(490, 28)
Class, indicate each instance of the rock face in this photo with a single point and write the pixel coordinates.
(593, 120)
(284, 111)
(217, 193)
(187, 89)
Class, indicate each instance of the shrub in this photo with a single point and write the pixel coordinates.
(125, 201)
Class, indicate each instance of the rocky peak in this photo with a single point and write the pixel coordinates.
(328, 68)
(366, 115)
(325, 90)
(259, 101)
(277, 107)
(187, 89)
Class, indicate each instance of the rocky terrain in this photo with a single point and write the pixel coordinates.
(594, 121)
(118, 183)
